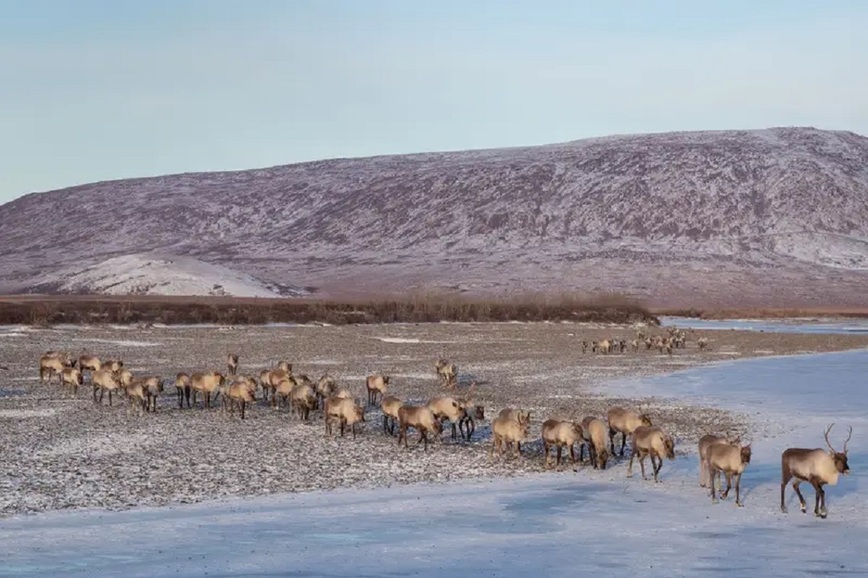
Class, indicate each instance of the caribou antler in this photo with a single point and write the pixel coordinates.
(826, 435)
(732, 438)
(848, 439)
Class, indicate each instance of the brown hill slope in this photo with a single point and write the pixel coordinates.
(766, 217)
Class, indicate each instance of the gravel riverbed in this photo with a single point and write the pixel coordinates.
(60, 452)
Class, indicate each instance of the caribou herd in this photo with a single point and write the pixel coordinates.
(674, 339)
(280, 387)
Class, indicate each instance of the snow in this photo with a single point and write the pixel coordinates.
(161, 274)
(417, 340)
(831, 250)
(554, 524)
(411, 340)
(25, 413)
(121, 342)
(14, 330)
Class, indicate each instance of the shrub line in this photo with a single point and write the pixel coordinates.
(79, 309)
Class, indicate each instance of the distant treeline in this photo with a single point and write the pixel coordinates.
(44, 310)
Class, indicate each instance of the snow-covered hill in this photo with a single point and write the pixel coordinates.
(153, 274)
(777, 215)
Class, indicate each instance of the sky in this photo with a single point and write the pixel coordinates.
(94, 90)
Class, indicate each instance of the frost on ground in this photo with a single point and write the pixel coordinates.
(61, 452)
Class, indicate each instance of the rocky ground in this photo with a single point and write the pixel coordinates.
(64, 452)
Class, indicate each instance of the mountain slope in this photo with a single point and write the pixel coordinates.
(668, 215)
(154, 274)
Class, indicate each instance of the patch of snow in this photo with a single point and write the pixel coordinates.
(413, 340)
(417, 375)
(827, 249)
(122, 342)
(26, 413)
(443, 341)
(161, 274)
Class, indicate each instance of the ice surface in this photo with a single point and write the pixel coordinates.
(771, 325)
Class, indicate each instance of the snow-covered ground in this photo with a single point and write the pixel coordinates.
(567, 524)
(161, 274)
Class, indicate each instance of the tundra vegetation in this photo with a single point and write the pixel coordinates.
(421, 308)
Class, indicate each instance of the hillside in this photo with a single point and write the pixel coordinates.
(152, 274)
(776, 216)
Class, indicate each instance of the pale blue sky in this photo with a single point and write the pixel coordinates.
(103, 89)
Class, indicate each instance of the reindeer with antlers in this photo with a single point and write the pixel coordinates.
(817, 467)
